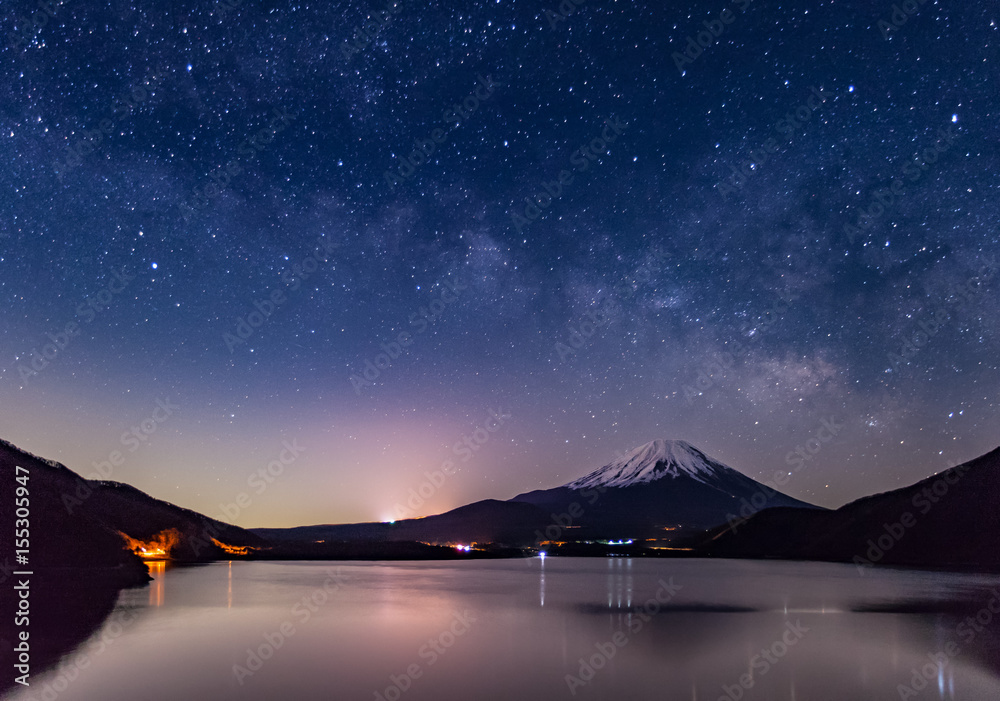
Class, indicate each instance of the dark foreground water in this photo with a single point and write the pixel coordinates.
(526, 629)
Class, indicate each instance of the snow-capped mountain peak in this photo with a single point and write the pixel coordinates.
(654, 461)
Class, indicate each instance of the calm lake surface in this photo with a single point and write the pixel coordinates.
(514, 629)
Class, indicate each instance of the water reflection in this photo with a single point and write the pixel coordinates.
(619, 582)
(541, 582)
(157, 568)
(775, 631)
(64, 614)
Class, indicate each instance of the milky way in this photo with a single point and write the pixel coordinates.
(367, 230)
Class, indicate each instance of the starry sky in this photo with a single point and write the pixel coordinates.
(309, 252)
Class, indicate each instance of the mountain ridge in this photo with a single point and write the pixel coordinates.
(660, 492)
(948, 520)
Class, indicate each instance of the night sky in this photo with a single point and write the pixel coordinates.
(214, 218)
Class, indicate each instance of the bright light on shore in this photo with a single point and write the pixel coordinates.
(541, 554)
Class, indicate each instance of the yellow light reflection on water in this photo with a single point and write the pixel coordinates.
(157, 568)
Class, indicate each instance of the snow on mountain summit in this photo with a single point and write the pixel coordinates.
(654, 461)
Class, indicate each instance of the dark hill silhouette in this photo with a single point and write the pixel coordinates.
(949, 520)
(76, 522)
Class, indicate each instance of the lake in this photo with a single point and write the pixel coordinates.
(559, 628)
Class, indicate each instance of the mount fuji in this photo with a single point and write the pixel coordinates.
(662, 493)
(659, 491)
(662, 459)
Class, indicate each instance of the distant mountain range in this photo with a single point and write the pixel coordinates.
(661, 493)
(665, 497)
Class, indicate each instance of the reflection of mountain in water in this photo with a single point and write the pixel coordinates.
(67, 607)
(856, 637)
